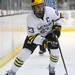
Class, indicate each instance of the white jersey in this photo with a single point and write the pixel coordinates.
(37, 25)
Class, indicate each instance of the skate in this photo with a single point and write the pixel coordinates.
(10, 73)
(51, 70)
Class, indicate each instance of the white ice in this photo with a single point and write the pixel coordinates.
(38, 65)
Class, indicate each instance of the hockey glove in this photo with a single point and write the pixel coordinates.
(45, 43)
(50, 42)
(49, 38)
(56, 30)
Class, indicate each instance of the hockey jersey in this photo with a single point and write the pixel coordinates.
(36, 25)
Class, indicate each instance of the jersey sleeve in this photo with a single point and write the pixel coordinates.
(31, 26)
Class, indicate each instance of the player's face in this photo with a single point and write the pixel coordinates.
(39, 10)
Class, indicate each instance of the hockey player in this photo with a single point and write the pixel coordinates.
(39, 24)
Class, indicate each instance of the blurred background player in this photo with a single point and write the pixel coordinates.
(41, 28)
(53, 4)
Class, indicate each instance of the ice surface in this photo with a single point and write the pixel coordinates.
(38, 65)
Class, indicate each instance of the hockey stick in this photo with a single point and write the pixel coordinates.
(62, 58)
